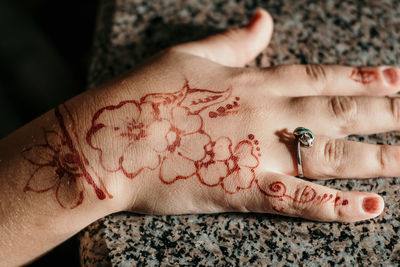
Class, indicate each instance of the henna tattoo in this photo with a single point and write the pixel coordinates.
(363, 76)
(226, 110)
(315, 71)
(256, 143)
(167, 129)
(303, 195)
(60, 165)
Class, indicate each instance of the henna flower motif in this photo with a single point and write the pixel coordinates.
(58, 168)
(186, 145)
(129, 137)
(214, 168)
(241, 167)
(233, 170)
(165, 131)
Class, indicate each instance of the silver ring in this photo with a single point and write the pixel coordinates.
(304, 137)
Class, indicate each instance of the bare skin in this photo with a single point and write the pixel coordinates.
(192, 131)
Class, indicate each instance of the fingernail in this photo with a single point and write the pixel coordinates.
(371, 204)
(254, 19)
(391, 75)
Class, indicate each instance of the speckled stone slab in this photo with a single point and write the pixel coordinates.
(325, 32)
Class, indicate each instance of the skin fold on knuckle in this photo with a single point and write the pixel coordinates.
(394, 104)
(319, 211)
(317, 75)
(297, 207)
(239, 202)
(330, 211)
(343, 110)
(386, 157)
(334, 153)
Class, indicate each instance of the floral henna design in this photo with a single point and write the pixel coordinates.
(232, 169)
(228, 109)
(56, 170)
(363, 76)
(60, 165)
(169, 129)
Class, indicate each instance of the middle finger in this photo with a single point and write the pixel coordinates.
(339, 116)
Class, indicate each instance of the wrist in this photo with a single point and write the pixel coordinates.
(102, 187)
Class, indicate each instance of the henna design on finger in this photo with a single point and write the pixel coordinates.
(364, 76)
(60, 164)
(303, 195)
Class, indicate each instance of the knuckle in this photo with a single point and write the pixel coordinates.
(299, 204)
(395, 108)
(384, 157)
(335, 153)
(336, 212)
(316, 72)
(344, 109)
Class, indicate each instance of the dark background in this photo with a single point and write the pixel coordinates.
(44, 56)
(45, 50)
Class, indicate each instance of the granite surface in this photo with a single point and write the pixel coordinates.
(325, 32)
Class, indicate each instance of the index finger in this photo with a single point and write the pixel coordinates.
(292, 196)
(312, 80)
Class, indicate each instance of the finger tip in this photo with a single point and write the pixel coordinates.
(361, 206)
(259, 31)
(391, 76)
(372, 204)
(261, 20)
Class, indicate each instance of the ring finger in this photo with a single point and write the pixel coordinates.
(338, 158)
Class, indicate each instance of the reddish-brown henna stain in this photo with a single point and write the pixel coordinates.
(363, 76)
(216, 155)
(228, 109)
(67, 163)
(99, 192)
(336, 201)
(191, 101)
(308, 194)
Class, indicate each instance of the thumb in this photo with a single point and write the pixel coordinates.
(234, 47)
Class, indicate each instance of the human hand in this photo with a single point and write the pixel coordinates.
(192, 131)
(201, 134)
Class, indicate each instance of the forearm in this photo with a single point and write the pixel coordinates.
(49, 186)
(53, 182)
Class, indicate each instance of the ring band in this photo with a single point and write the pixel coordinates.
(304, 137)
